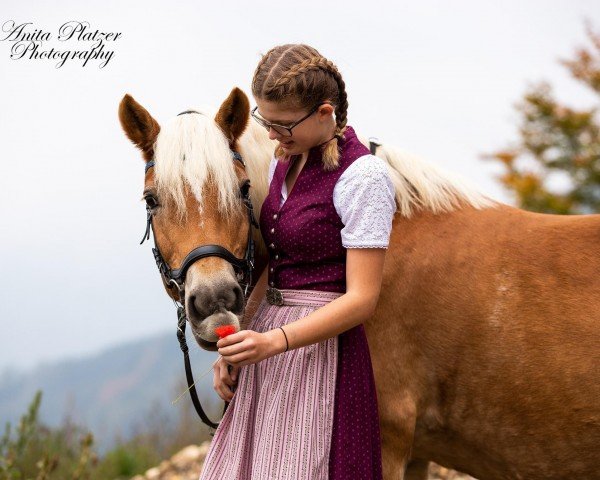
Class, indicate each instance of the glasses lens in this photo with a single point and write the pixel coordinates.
(281, 131)
(260, 121)
(278, 128)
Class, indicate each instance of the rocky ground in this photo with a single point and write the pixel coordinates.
(187, 464)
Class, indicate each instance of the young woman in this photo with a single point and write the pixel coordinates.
(305, 406)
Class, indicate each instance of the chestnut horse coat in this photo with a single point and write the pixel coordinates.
(486, 343)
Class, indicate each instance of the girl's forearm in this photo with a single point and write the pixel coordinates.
(335, 317)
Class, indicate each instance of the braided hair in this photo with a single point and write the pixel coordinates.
(297, 75)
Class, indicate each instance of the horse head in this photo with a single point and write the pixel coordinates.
(197, 193)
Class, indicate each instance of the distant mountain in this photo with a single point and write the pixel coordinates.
(111, 392)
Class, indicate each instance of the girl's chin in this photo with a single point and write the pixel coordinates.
(288, 147)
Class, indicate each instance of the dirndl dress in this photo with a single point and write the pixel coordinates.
(306, 414)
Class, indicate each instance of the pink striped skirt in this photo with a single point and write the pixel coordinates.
(282, 420)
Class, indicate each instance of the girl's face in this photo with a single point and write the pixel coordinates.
(314, 130)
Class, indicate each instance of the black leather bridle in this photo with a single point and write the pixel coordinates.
(176, 277)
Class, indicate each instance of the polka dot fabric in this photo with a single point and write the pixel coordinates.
(356, 440)
(303, 234)
(364, 198)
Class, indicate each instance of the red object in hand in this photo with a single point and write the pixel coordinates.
(224, 330)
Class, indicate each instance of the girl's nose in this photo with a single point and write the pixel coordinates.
(273, 134)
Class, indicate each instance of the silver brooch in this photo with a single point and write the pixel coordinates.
(274, 296)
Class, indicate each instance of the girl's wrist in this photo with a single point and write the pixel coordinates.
(277, 340)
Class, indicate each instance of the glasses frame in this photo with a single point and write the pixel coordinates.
(288, 129)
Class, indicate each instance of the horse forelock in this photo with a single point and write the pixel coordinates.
(191, 150)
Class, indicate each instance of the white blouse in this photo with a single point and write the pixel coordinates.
(364, 199)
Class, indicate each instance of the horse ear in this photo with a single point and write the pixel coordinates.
(234, 114)
(139, 125)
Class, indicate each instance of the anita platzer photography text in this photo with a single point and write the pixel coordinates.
(79, 43)
(253, 240)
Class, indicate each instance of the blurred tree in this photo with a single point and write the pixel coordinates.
(557, 143)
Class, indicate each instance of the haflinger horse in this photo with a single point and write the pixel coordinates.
(485, 342)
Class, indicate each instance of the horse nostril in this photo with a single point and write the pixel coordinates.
(231, 298)
(202, 305)
(238, 302)
(194, 307)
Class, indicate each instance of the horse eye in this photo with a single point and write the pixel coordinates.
(151, 201)
(245, 188)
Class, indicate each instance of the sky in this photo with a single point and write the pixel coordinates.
(439, 79)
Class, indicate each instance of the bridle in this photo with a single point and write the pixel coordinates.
(176, 277)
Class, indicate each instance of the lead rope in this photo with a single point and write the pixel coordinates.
(181, 321)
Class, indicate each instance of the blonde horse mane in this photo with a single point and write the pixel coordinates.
(419, 185)
(422, 186)
(190, 150)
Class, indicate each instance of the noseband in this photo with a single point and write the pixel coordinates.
(176, 277)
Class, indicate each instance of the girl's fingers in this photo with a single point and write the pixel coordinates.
(238, 358)
(235, 348)
(221, 387)
(224, 377)
(225, 394)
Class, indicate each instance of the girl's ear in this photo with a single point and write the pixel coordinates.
(233, 115)
(325, 111)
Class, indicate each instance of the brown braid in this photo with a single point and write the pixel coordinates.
(264, 58)
(300, 77)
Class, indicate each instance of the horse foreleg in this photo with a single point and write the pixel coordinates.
(417, 470)
(397, 419)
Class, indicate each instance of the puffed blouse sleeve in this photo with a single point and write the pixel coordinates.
(364, 198)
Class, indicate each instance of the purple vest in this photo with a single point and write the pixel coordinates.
(303, 236)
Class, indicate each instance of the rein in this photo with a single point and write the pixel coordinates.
(176, 278)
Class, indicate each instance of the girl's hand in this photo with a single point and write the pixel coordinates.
(247, 346)
(222, 379)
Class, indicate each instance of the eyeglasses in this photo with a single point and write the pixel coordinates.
(286, 131)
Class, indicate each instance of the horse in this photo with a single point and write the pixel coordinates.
(485, 339)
